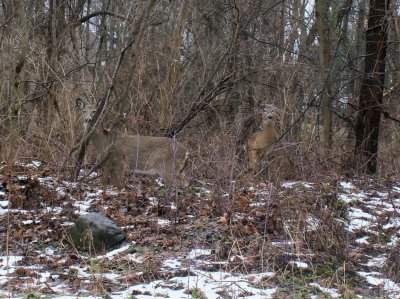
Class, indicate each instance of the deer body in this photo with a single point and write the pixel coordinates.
(149, 155)
(259, 146)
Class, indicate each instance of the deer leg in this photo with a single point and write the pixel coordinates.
(117, 169)
(106, 175)
(117, 179)
(252, 160)
(265, 168)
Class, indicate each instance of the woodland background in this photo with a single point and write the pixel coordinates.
(203, 70)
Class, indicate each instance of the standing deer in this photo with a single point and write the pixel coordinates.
(259, 146)
(161, 156)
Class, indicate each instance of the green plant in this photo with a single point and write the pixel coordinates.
(135, 249)
(34, 295)
(197, 294)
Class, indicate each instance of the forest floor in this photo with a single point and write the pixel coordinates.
(335, 237)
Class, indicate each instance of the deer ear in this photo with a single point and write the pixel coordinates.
(80, 104)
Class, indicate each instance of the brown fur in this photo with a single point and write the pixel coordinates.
(259, 146)
(161, 156)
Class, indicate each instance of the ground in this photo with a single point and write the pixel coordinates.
(334, 237)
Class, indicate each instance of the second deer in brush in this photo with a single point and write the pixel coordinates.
(259, 146)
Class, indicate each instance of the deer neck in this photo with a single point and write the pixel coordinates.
(269, 132)
(268, 125)
(100, 140)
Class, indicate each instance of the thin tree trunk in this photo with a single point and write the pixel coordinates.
(371, 95)
(136, 37)
(15, 90)
(174, 63)
(325, 62)
(56, 26)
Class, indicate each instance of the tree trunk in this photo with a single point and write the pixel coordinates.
(325, 62)
(16, 93)
(174, 64)
(371, 95)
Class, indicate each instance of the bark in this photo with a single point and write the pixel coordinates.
(322, 19)
(16, 92)
(174, 64)
(56, 25)
(371, 96)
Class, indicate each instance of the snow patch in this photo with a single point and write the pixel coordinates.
(196, 253)
(331, 292)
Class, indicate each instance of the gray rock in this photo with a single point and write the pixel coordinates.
(94, 231)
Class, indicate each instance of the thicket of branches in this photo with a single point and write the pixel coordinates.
(201, 70)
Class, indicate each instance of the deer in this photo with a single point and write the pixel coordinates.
(259, 146)
(148, 155)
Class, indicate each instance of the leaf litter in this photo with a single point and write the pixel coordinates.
(337, 238)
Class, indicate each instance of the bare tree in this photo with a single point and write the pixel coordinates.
(371, 97)
(173, 69)
(17, 87)
(322, 19)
